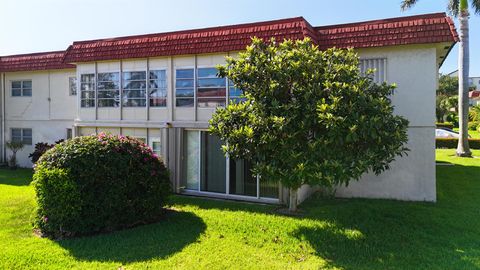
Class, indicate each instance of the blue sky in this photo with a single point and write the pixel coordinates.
(46, 25)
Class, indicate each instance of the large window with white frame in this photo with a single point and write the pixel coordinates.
(22, 88)
(157, 88)
(211, 90)
(23, 135)
(134, 88)
(87, 90)
(108, 89)
(206, 169)
(184, 87)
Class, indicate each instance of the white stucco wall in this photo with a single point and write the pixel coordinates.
(48, 112)
(414, 70)
(42, 131)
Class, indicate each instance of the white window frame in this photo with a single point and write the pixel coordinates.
(115, 91)
(125, 99)
(227, 193)
(22, 136)
(164, 89)
(197, 78)
(94, 90)
(153, 140)
(72, 86)
(193, 79)
(21, 89)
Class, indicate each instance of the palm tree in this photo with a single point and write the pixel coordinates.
(459, 8)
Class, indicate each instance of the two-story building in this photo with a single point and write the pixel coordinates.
(162, 88)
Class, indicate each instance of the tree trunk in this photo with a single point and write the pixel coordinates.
(292, 203)
(463, 148)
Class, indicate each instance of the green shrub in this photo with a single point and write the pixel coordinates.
(445, 125)
(453, 142)
(98, 183)
(473, 125)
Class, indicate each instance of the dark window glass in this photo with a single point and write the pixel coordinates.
(184, 91)
(134, 89)
(184, 73)
(21, 88)
(207, 73)
(23, 135)
(211, 90)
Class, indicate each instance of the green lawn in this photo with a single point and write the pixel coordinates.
(210, 234)
(474, 134)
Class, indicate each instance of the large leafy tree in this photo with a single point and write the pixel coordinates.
(459, 8)
(309, 116)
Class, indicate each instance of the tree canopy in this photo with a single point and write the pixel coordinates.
(309, 116)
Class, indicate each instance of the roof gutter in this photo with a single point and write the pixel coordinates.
(4, 152)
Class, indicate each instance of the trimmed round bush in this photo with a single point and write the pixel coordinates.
(97, 184)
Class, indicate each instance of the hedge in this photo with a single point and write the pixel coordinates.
(97, 184)
(453, 142)
(445, 125)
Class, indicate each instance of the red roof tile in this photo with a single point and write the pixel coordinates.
(474, 94)
(34, 61)
(421, 29)
(428, 28)
(199, 41)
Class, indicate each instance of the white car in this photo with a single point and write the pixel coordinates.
(442, 133)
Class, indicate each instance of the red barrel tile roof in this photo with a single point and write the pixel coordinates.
(420, 29)
(198, 41)
(34, 61)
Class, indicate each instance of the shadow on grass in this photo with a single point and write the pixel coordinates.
(388, 234)
(385, 234)
(18, 177)
(159, 240)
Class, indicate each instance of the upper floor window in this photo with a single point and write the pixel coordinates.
(72, 86)
(157, 88)
(134, 88)
(235, 94)
(87, 90)
(22, 88)
(108, 89)
(23, 135)
(379, 65)
(211, 89)
(184, 87)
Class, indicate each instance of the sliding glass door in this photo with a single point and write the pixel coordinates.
(213, 164)
(205, 169)
(242, 181)
(191, 160)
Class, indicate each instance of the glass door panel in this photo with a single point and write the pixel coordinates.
(242, 181)
(191, 154)
(268, 188)
(213, 164)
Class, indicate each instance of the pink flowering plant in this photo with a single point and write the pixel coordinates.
(98, 183)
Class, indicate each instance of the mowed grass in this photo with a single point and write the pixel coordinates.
(474, 134)
(211, 234)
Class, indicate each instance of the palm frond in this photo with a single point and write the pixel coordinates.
(476, 6)
(407, 4)
(453, 7)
